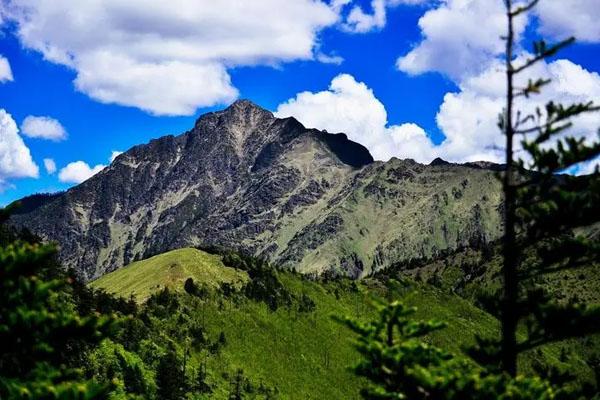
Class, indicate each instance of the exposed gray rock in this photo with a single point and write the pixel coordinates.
(246, 180)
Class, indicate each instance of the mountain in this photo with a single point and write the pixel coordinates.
(245, 180)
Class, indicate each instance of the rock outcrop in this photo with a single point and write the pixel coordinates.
(245, 180)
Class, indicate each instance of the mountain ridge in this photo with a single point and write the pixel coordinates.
(245, 180)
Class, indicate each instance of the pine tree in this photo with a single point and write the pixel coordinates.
(399, 365)
(39, 327)
(201, 385)
(170, 377)
(237, 386)
(543, 209)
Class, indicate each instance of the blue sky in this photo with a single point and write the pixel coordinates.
(407, 78)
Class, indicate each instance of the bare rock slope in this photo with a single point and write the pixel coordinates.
(245, 180)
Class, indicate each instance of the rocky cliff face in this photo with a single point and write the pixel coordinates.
(246, 180)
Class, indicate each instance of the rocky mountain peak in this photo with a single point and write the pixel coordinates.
(246, 180)
(242, 124)
(245, 105)
(241, 112)
(439, 161)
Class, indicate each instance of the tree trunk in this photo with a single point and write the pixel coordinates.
(509, 309)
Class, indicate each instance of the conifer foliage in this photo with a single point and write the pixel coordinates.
(400, 365)
(546, 211)
(39, 328)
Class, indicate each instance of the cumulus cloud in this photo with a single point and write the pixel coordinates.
(351, 107)
(43, 128)
(167, 58)
(50, 166)
(15, 157)
(115, 154)
(454, 41)
(581, 19)
(467, 118)
(360, 21)
(5, 71)
(78, 171)
(456, 44)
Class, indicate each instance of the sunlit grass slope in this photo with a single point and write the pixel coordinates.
(171, 269)
(305, 355)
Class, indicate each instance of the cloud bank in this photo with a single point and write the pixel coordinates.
(454, 41)
(351, 107)
(455, 44)
(167, 58)
(581, 19)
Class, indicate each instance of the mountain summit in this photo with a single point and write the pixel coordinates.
(245, 180)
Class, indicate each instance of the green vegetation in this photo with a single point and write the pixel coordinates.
(400, 364)
(171, 269)
(40, 332)
(295, 350)
(231, 327)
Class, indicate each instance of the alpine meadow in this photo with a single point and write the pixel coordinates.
(367, 199)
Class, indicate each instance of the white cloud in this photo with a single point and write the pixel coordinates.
(15, 157)
(467, 118)
(5, 71)
(461, 38)
(167, 58)
(579, 18)
(50, 166)
(329, 58)
(115, 154)
(411, 141)
(351, 107)
(360, 21)
(43, 128)
(455, 43)
(78, 171)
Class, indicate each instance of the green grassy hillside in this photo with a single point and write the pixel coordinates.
(170, 269)
(475, 275)
(292, 352)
